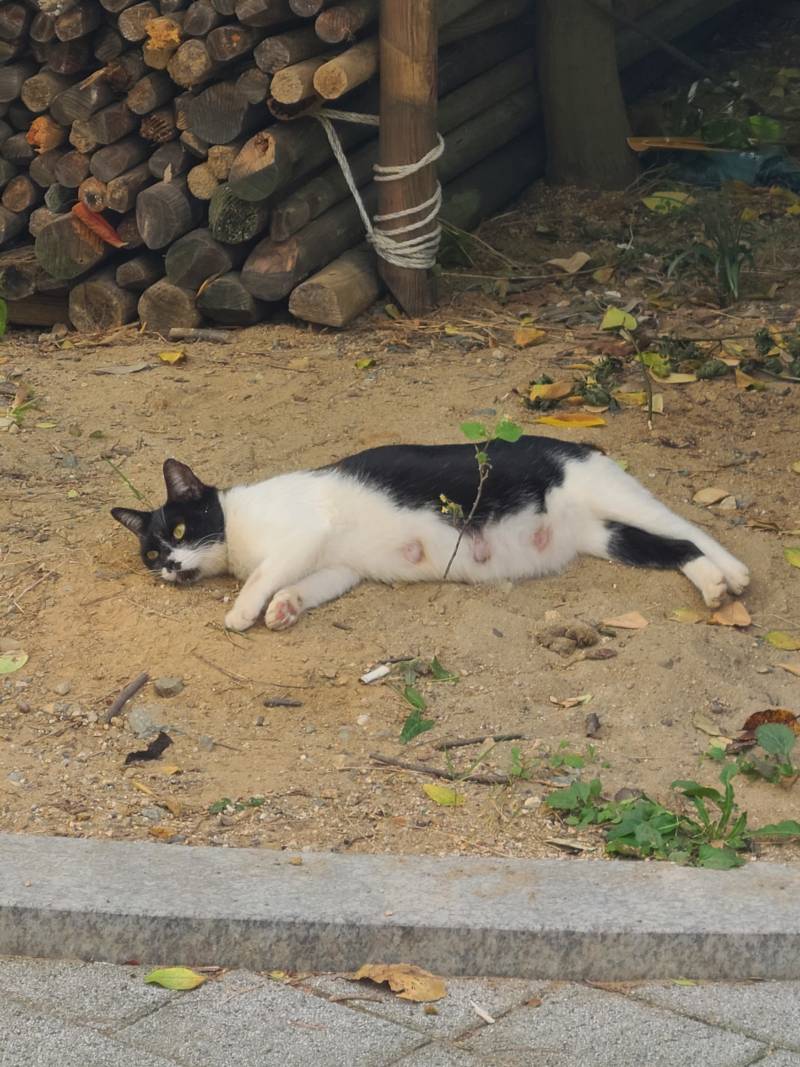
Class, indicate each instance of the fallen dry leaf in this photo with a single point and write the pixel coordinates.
(785, 641)
(175, 978)
(570, 419)
(172, 355)
(526, 336)
(792, 556)
(791, 667)
(405, 979)
(571, 702)
(98, 225)
(630, 621)
(733, 614)
(686, 615)
(446, 795)
(796, 466)
(712, 495)
(781, 715)
(706, 725)
(551, 390)
(574, 263)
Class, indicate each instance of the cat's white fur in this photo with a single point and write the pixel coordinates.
(299, 540)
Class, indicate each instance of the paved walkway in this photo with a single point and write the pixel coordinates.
(66, 1014)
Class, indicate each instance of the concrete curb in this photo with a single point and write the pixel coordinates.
(570, 920)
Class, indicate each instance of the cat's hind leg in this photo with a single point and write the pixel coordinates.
(632, 525)
(287, 605)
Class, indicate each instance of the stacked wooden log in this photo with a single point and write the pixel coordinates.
(161, 159)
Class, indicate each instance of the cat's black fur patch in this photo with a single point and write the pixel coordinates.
(629, 544)
(415, 476)
(202, 516)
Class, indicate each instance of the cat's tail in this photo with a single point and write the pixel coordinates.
(637, 528)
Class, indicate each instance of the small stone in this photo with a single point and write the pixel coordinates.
(362, 720)
(62, 688)
(206, 743)
(23, 706)
(16, 777)
(311, 728)
(152, 813)
(259, 720)
(141, 721)
(69, 461)
(168, 687)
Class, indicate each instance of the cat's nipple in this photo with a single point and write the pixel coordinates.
(414, 552)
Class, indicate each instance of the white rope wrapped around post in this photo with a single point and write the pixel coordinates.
(418, 252)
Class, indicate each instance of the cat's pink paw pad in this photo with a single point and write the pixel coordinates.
(284, 610)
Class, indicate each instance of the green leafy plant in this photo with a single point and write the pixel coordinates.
(414, 726)
(482, 437)
(774, 762)
(725, 247)
(713, 836)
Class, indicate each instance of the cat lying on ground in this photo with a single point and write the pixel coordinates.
(298, 540)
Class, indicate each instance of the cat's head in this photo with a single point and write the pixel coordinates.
(185, 539)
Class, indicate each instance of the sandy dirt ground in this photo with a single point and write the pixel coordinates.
(75, 597)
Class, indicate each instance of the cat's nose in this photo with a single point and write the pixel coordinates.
(172, 565)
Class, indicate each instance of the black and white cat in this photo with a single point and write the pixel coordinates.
(298, 540)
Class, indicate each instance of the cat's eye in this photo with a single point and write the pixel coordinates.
(152, 554)
(179, 532)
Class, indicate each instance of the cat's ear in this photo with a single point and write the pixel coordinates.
(182, 483)
(135, 521)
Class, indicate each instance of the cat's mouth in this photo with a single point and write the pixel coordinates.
(188, 576)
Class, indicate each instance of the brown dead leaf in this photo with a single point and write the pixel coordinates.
(571, 702)
(526, 336)
(706, 725)
(707, 497)
(733, 614)
(162, 832)
(405, 979)
(577, 261)
(632, 620)
(781, 715)
(551, 390)
(792, 668)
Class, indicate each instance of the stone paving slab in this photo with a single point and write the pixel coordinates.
(578, 1025)
(33, 1039)
(243, 1019)
(768, 1011)
(561, 919)
(255, 1026)
(455, 1014)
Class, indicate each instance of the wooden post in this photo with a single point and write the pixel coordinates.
(408, 42)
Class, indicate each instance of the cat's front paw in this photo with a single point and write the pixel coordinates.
(284, 610)
(238, 620)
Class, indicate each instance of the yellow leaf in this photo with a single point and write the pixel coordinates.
(707, 497)
(405, 979)
(175, 978)
(143, 788)
(72, 493)
(630, 400)
(792, 668)
(526, 336)
(571, 702)
(734, 349)
(630, 621)
(446, 795)
(793, 210)
(749, 214)
(732, 614)
(665, 202)
(658, 403)
(796, 466)
(45, 425)
(792, 556)
(363, 364)
(783, 640)
(172, 355)
(162, 832)
(572, 418)
(747, 381)
(551, 391)
(615, 318)
(12, 661)
(603, 275)
(170, 769)
(573, 264)
(686, 615)
(678, 379)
